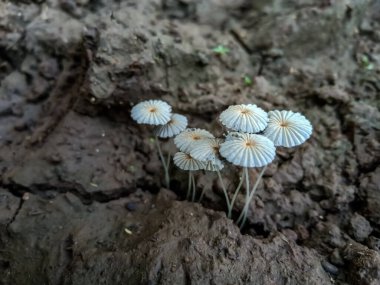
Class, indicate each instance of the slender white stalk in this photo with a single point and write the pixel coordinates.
(189, 187)
(224, 189)
(202, 194)
(194, 187)
(246, 182)
(168, 161)
(244, 213)
(235, 195)
(166, 166)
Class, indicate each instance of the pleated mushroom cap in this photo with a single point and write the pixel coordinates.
(214, 165)
(186, 140)
(207, 149)
(184, 161)
(152, 112)
(288, 129)
(246, 118)
(248, 150)
(176, 125)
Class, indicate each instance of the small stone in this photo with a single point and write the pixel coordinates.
(326, 204)
(131, 206)
(336, 258)
(290, 235)
(25, 196)
(360, 228)
(374, 243)
(302, 232)
(329, 268)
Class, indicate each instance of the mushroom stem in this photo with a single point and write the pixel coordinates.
(235, 195)
(202, 194)
(224, 190)
(246, 185)
(244, 213)
(194, 186)
(188, 187)
(166, 166)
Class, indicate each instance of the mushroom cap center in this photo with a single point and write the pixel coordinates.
(216, 149)
(245, 111)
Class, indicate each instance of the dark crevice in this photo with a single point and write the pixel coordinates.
(21, 203)
(256, 229)
(261, 66)
(47, 191)
(241, 42)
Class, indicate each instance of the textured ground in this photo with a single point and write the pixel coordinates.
(81, 200)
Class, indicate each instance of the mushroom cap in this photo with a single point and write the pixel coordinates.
(214, 165)
(172, 128)
(248, 150)
(151, 112)
(288, 129)
(207, 149)
(186, 140)
(246, 118)
(184, 161)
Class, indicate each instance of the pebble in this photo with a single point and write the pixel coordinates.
(329, 268)
(131, 206)
(336, 258)
(374, 243)
(360, 228)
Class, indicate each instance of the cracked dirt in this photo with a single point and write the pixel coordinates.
(81, 194)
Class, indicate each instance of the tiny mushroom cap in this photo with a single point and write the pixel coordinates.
(246, 118)
(288, 129)
(248, 150)
(151, 112)
(184, 161)
(186, 140)
(176, 125)
(214, 165)
(207, 149)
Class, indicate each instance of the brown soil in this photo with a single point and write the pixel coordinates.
(81, 189)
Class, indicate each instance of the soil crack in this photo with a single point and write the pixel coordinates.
(48, 191)
(21, 203)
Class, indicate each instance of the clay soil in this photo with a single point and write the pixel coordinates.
(82, 199)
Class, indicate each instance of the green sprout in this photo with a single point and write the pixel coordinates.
(247, 80)
(366, 63)
(221, 50)
(132, 168)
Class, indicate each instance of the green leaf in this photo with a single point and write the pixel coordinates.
(220, 49)
(247, 80)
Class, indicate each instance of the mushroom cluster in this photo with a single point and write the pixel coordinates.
(198, 150)
(251, 138)
(167, 124)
